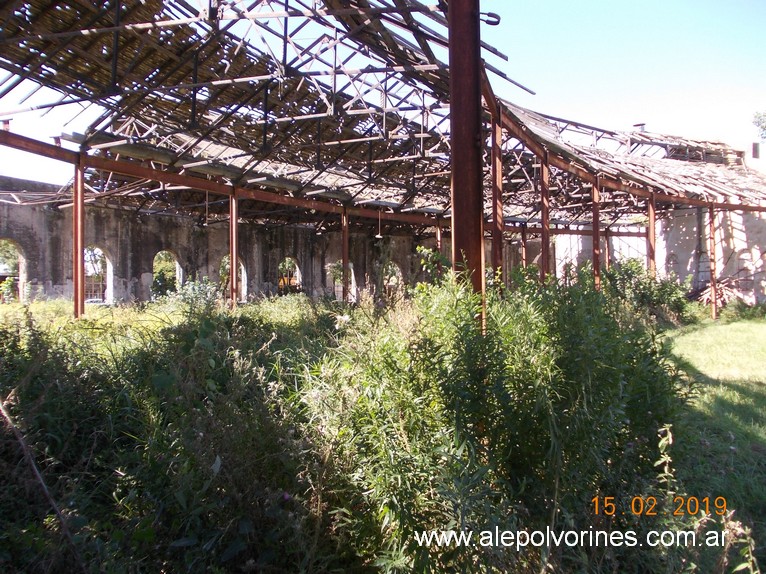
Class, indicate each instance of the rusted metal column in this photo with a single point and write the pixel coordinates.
(497, 196)
(466, 140)
(545, 249)
(606, 249)
(344, 253)
(651, 236)
(596, 199)
(712, 258)
(233, 250)
(524, 246)
(78, 239)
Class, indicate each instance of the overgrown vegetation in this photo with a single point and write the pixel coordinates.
(663, 300)
(294, 435)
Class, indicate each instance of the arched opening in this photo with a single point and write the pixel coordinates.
(12, 271)
(392, 279)
(335, 270)
(99, 277)
(290, 278)
(224, 274)
(167, 274)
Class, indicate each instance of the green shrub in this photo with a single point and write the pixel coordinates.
(434, 424)
(300, 436)
(663, 298)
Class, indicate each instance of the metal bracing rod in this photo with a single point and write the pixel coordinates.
(218, 122)
(27, 72)
(167, 24)
(277, 76)
(51, 105)
(182, 60)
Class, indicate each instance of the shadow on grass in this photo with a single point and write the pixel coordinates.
(721, 446)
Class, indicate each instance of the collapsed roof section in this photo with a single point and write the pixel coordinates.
(304, 106)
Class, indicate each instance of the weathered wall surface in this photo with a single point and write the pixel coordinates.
(131, 241)
(683, 248)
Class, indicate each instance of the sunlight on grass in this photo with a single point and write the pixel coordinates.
(731, 351)
(723, 436)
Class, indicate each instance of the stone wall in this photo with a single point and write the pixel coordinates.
(130, 242)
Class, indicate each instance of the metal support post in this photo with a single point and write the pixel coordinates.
(597, 233)
(651, 237)
(78, 239)
(545, 249)
(466, 140)
(233, 250)
(713, 272)
(345, 253)
(497, 196)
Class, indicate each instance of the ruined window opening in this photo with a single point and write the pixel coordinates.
(290, 277)
(98, 276)
(12, 272)
(393, 281)
(225, 272)
(167, 274)
(335, 271)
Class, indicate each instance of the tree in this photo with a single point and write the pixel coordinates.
(165, 280)
(759, 120)
(9, 256)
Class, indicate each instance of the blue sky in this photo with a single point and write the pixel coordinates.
(692, 68)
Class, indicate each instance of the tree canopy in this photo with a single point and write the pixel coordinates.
(760, 122)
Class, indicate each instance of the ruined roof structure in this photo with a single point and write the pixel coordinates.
(309, 111)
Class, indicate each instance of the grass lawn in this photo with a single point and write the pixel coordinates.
(721, 440)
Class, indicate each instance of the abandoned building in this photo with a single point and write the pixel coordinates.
(318, 143)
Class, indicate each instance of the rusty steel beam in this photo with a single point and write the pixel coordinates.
(465, 140)
(137, 170)
(713, 271)
(526, 230)
(233, 250)
(497, 196)
(596, 228)
(23, 143)
(607, 235)
(78, 240)
(545, 174)
(345, 253)
(651, 236)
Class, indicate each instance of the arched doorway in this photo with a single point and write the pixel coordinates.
(290, 278)
(224, 274)
(335, 270)
(99, 276)
(167, 274)
(12, 271)
(391, 279)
